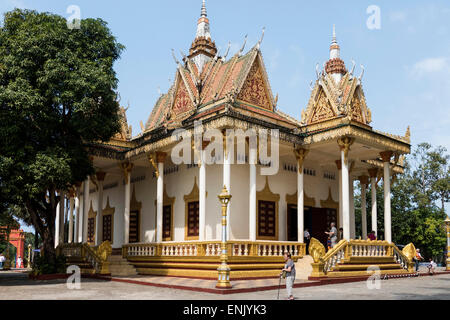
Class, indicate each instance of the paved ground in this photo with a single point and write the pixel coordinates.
(16, 286)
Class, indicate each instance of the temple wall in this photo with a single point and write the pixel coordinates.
(178, 184)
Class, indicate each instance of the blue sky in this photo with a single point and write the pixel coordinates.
(407, 61)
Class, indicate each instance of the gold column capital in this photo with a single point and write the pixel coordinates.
(152, 160)
(161, 157)
(300, 155)
(100, 176)
(344, 144)
(126, 168)
(373, 172)
(364, 180)
(386, 156)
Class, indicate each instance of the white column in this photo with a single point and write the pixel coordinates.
(341, 219)
(202, 197)
(352, 209)
(363, 181)
(373, 188)
(227, 182)
(126, 214)
(159, 203)
(86, 203)
(252, 193)
(57, 224)
(387, 196)
(99, 222)
(71, 209)
(345, 197)
(300, 205)
(77, 217)
(61, 217)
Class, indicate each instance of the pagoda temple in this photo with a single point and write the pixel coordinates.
(164, 218)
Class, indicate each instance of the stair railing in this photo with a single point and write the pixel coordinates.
(335, 256)
(96, 256)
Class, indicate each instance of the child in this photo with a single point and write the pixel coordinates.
(432, 267)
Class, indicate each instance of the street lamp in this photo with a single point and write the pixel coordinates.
(224, 270)
(29, 257)
(447, 223)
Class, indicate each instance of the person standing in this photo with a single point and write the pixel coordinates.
(333, 234)
(417, 259)
(307, 236)
(372, 236)
(289, 271)
(2, 260)
(19, 262)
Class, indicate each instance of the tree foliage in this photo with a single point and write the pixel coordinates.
(57, 94)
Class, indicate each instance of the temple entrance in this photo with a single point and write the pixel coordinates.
(316, 220)
(134, 227)
(292, 229)
(321, 219)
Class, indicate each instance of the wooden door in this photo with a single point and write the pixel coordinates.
(292, 218)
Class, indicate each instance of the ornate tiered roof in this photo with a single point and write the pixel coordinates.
(337, 93)
(204, 81)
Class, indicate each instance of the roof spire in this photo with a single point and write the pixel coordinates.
(335, 66)
(203, 48)
(204, 14)
(203, 24)
(334, 48)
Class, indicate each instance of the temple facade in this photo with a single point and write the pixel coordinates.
(164, 216)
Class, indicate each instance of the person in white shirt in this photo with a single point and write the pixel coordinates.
(2, 260)
(432, 267)
(19, 262)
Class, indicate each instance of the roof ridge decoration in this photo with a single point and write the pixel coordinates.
(126, 131)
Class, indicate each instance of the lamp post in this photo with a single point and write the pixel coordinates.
(29, 257)
(447, 223)
(224, 270)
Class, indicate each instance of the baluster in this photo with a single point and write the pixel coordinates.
(296, 250)
(246, 249)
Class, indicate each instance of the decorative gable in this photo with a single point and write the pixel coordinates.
(357, 108)
(323, 109)
(182, 101)
(255, 89)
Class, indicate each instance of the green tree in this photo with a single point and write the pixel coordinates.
(57, 95)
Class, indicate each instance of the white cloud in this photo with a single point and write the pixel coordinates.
(429, 66)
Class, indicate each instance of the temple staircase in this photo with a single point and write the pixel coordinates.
(360, 258)
(118, 266)
(90, 260)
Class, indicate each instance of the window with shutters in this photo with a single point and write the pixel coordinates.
(193, 219)
(167, 223)
(107, 228)
(266, 219)
(91, 231)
